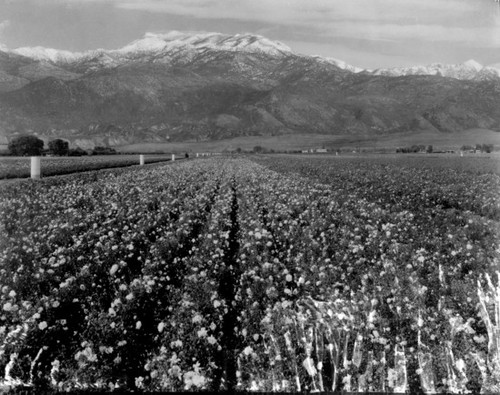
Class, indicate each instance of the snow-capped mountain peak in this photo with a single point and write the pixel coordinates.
(340, 64)
(469, 70)
(48, 54)
(153, 42)
(181, 47)
(164, 43)
(149, 43)
(495, 68)
(473, 64)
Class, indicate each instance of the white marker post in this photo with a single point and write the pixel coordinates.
(173, 157)
(197, 154)
(35, 167)
(141, 160)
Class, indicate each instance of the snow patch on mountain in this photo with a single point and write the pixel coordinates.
(471, 63)
(48, 54)
(149, 44)
(340, 64)
(495, 68)
(469, 70)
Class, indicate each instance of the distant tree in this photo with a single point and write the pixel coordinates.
(429, 149)
(26, 145)
(258, 149)
(238, 150)
(59, 147)
(488, 148)
(77, 152)
(98, 150)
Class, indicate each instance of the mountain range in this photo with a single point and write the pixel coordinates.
(188, 86)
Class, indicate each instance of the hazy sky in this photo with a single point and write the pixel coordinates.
(365, 33)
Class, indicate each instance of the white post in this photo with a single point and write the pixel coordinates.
(35, 167)
(141, 160)
(197, 154)
(173, 157)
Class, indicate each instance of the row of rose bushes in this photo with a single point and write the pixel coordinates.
(20, 167)
(400, 184)
(225, 274)
(74, 251)
(396, 280)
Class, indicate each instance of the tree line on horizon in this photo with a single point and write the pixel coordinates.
(28, 145)
(33, 146)
(487, 148)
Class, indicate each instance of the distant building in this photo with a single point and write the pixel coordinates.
(312, 150)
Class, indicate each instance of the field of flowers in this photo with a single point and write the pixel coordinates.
(284, 275)
(19, 167)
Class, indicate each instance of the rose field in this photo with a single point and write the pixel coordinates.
(264, 273)
(19, 167)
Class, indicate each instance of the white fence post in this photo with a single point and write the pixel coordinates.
(141, 160)
(35, 167)
(197, 154)
(173, 157)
